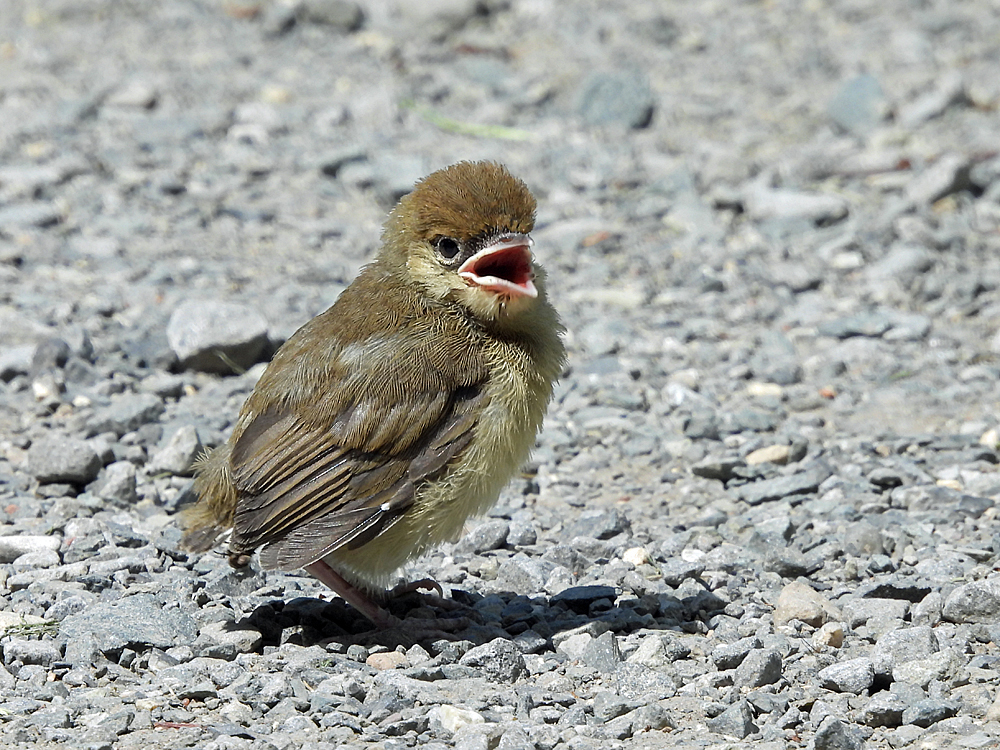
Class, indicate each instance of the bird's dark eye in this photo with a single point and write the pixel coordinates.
(447, 247)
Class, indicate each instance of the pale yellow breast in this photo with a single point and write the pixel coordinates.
(505, 434)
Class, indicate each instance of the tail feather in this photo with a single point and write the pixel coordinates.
(207, 519)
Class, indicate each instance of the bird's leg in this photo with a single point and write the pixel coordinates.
(425, 584)
(352, 595)
(379, 617)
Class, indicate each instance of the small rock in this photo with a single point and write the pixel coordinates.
(342, 15)
(852, 676)
(976, 602)
(616, 98)
(452, 718)
(929, 711)
(499, 661)
(807, 480)
(921, 672)
(760, 667)
(126, 413)
(731, 655)
(179, 454)
(905, 644)
(829, 634)
(798, 601)
(225, 640)
(599, 524)
(859, 611)
(489, 535)
(38, 214)
(387, 660)
(214, 336)
(602, 653)
(55, 458)
(772, 454)
(657, 651)
(43, 653)
(637, 556)
(137, 619)
(885, 709)
(834, 734)
(118, 483)
(947, 175)
(736, 721)
(16, 545)
(764, 203)
(860, 105)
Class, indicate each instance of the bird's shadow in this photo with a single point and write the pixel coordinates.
(534, 622)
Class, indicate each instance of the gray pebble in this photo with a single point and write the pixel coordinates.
(929, 711)
(859, 106)
(30, 652)
(884, 710)
(118, 483)
(28, 215)
(834, 734)
(807, 480)
(179, 454)
(135, 619)
(602, 653)
(736, 721)
(852, 676)
(14, 546)
(760, 667)
(342, 15)
(55, 458)
(615, 98)
(976, 602)
(731, 655)
(499, 661)
(905, 644)
(487, 536)
(215, 336)
(126, 413)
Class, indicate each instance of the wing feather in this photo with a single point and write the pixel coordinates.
(307, 487)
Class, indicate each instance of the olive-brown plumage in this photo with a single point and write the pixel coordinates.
(387, 421)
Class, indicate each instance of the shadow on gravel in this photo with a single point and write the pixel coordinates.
(535, 624)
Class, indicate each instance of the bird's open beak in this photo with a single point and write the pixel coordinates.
(504, 267)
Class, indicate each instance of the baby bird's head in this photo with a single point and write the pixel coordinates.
(462, 235)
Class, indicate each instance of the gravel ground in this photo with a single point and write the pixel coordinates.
(763, 509)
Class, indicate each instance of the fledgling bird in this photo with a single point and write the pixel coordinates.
(387, 421)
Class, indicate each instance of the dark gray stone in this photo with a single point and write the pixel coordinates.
(731, 655)
(499, 661)
(976, 602)
(801, 482)
(489, 535)
(930, 711)
(616, 98)
(852, 676)
(600, 524)
(126, 413)
(215, 336)
(760, 667)
(602, 653)
(342, 15)
(135, 621)
(55, 458)
(736, 721)
(834, 734)
(884, 710)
